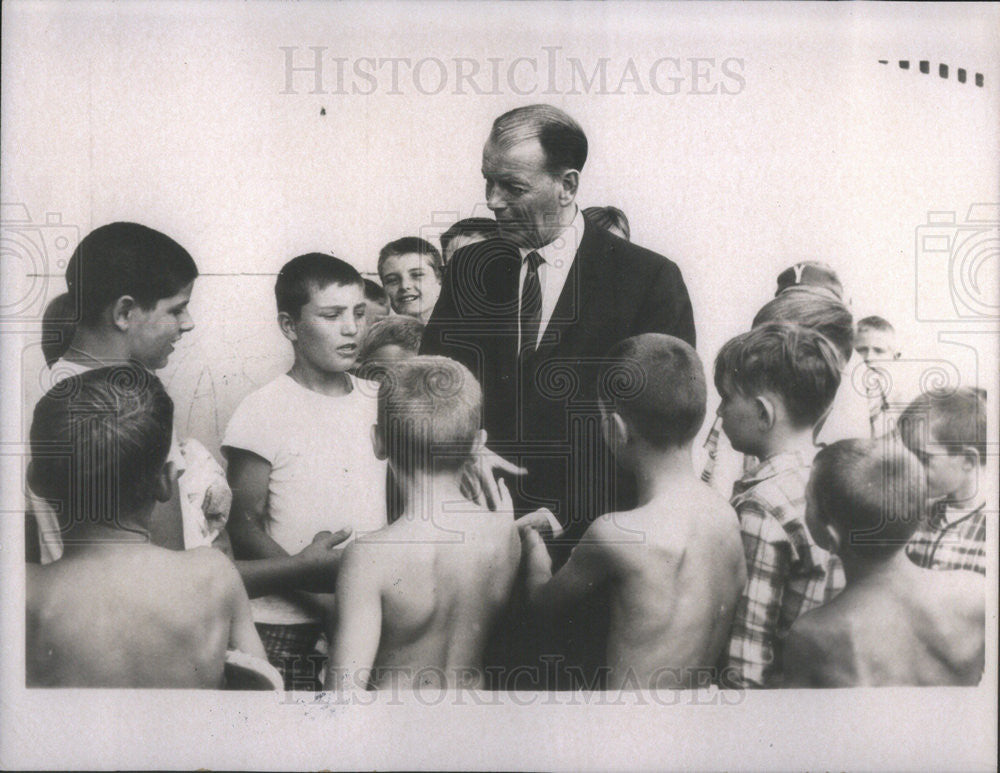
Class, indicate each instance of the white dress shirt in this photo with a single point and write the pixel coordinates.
(557, 259)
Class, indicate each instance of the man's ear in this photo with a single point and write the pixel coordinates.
(378, 443)
(287, 324)
(570, 183)
(163, 483)
(767, 413)
(121, 312)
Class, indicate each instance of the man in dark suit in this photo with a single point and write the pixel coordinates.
(532, 313)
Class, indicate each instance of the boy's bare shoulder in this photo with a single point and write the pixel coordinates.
(957, 591)
(816, 626)
(815, 649)
(711, 501)
(208, 566)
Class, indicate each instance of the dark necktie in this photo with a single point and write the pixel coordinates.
(531, 302)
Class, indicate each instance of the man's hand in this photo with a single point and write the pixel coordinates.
(478, 483)
(321, 559)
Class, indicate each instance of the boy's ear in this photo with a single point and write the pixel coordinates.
(287, 324)
(378, 443)
(766, 411)
(971, 457)
(616, 431)
(163, 483)
(835, 539)
(121, 312)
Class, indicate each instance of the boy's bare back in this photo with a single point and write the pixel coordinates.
(917, 627)
(134, 616)
(676, 573)
(440, 584)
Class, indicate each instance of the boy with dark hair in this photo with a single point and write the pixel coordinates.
(894, 623)
(776, 382)
(673, 566)
(116, 611)
(848, 415)
(947, 433)
(418, 600)
(410, 270)
(466, 232)
(299, 461)
(129, 287)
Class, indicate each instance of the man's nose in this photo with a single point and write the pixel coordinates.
(494, 200)
(349, 326)
(187, 322)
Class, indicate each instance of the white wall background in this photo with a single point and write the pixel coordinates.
(171, 114)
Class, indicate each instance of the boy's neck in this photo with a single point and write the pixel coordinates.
(786, 439)
(330, 383)
(657, 472)
(87, 537)
(858, 568)
(95, 348)
(965, 496)
(424, 494)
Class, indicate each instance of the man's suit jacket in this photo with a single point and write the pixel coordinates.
(540, 407)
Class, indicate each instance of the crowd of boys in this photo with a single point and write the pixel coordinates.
(361, 548)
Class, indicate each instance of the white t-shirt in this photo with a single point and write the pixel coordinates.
(324, 474)
(49, 533)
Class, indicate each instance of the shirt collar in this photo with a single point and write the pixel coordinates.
(950, 514)
(771, 467)
(560, 252)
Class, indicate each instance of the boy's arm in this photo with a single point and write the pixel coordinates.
(264, 565)
(589, 566)
(755, 626)
(242, 633)
(358, 622)
(249, 477)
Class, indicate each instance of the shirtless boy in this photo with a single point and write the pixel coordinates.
(674, 566)
(894, 623)
(117, 611)
(417, 601)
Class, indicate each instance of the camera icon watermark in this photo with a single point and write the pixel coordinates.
(31, 252)
(958, 266)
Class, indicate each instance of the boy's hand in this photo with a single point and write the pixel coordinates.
(541, 521)
(504, 505)
(538, 562)
(321, 558)
(478, 483)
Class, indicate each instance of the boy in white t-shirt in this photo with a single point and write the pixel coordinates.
(300, 461)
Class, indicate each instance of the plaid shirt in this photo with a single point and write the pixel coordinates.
(954, 539)
(787, 573)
